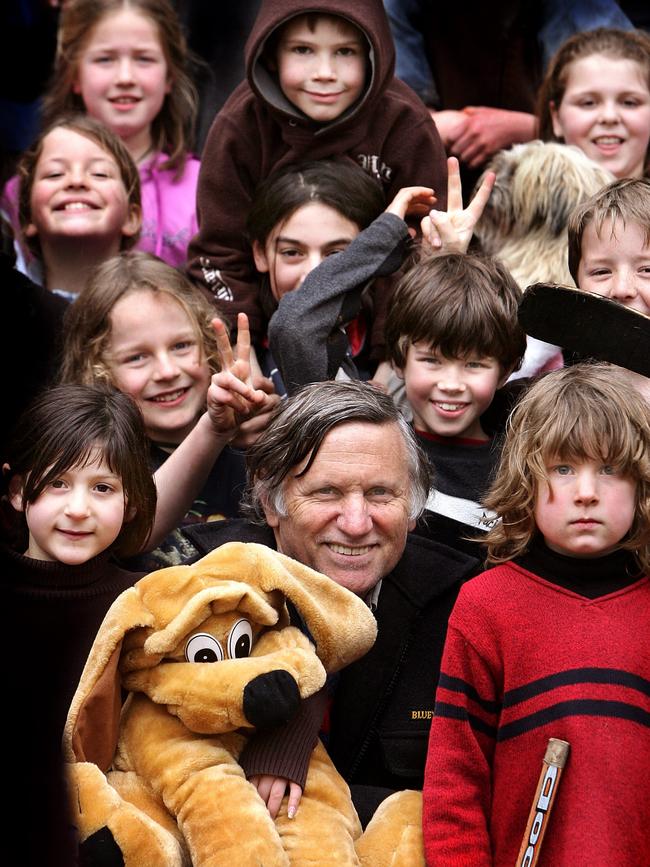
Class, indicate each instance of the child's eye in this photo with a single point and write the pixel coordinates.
(58, 483)
(103, 488)
(301, 49)
(587, 102)
(476, 364)
(609, 470)
(347, 51)
(183, 345)
(562, 469)
(49, 174)
(146, 58)
(134, 358)
(290, 253)
(102, 58)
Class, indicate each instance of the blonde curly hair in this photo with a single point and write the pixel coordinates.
(87, 324)
(588, 411)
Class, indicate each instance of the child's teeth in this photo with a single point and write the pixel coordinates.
(164, 398)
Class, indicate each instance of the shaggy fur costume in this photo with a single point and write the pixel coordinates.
(538, 185)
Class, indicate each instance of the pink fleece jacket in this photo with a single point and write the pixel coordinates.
(168, 210)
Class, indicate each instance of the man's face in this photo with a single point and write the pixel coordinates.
(348, 516)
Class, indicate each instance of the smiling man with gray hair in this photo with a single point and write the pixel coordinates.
(336, 481)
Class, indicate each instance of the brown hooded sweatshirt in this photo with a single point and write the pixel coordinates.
(387, 131)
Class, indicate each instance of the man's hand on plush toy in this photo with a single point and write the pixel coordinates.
(272, 790)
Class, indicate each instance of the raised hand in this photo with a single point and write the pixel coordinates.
(451, 231)
(250, 430)
(232, 397)
(412, 201)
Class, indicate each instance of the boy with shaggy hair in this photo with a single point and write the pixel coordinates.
(453, 337)
(609, 243)
(549, 642)
(320, 85)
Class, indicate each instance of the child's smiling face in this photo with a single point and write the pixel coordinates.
(78, 193)
(449, 395)
(586, 507)
(615, 263)
(123, 76)
(605, 111)
(300, 243)
(154, 354)
(322, 72)
(77, 516)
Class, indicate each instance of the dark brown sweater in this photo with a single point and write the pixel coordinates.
(387, 131)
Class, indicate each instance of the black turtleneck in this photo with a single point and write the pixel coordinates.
(54, 611)
(590, 577)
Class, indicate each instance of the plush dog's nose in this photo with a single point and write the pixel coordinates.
(271, 699)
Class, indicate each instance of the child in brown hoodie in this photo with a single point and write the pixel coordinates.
(319, 85)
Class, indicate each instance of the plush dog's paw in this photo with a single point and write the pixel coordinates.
(111, 828)
(271, 699)
(100, 850)
(393, 837)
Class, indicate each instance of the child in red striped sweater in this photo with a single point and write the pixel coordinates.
(552, 642)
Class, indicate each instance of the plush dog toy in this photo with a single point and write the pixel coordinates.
(207, 654)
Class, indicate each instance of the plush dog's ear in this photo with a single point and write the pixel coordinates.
(340, 623)
(91, 730)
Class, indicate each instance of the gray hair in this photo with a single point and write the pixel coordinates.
(298, 428)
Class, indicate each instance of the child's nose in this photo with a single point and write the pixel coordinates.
(312, 261)
(76, 176)
(125, 70)
(77, 503)
(609, 112)
(450, 380)
(586, 488)
(623, 286)
(324, 66)
(166, 367)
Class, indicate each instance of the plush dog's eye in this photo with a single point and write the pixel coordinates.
(240, 640)
(203, 647)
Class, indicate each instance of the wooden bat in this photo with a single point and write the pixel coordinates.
(557, 752)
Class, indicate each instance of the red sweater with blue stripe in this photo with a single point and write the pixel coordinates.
(526, 660)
